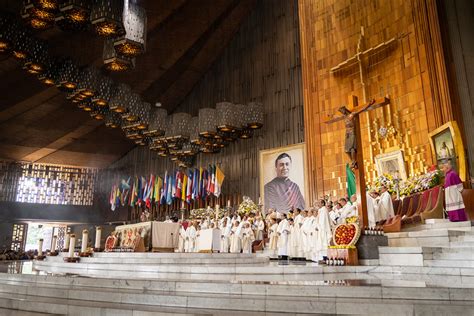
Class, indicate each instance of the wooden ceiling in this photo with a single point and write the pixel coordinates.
(38, 124)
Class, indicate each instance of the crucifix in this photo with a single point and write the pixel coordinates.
(353, 140)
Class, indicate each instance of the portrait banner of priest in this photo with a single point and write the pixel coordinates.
(283, 178)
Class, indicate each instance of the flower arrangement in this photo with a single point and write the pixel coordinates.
(247, 206)
(412, 185)
(202, 213)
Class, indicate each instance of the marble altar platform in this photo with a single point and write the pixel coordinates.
(407, 280)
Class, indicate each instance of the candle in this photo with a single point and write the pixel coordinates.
(66, 242)
(85, 238)
(72, 244)
(98, 236)
(217, 211)
(228, 203)
(40, 247)
(53, 243)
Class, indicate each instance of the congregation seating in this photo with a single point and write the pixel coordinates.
(415, 209)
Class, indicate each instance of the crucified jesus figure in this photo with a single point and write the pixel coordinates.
(350, 145)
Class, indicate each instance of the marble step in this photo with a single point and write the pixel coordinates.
(431, 238)
(322, 306)
(169, 255)
(449, 263)
(252, 297)
(432, 224)
(161, 261)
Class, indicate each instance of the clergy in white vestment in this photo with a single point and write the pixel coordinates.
(236, 238)
(259, 228)
(181, 238)
(273, 235)
(385, 205)
(248, 238)
(297, 235)
(225, 228)
(191, 235)
(324, 233)
(372, 209)
(283, 232)
(292, 240)
(205, 223)
(307, 234)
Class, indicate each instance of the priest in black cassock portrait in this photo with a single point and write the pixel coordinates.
(281, 193)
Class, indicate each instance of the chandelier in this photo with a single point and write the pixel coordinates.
(74, 14)
(133, 42)
(114, 61)
(107, 17)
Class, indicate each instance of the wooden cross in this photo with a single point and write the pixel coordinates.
(358, 58)
(351, 118)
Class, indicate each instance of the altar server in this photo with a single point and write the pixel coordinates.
(324, 233)
(372, 209)
(225, 228)
(248, 238)
(283, 230)
(385, 205)
(453, 197)
(236, 238)
(307, 234)
(259, 225)
(182, 238)
(292, 240)
(296, 235)
(273, 235)
(191, 235)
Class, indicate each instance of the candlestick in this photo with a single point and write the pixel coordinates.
(85, 238)
(66, 242)
(72, 244)
(217, 211)
(53, 243)
(98, 236)
(40, 247)
(182, 205)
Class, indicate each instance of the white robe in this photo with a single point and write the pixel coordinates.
(307, 235)
(386, 206)
(324, 233)
(314, 240)
(260, 226)
(273, 235)
(181, 239)
(297, 238)
(247, 239)
(191, 235)
(236, 239)
(333, 216)
(225, 238)
(293, 242)
(283, 230)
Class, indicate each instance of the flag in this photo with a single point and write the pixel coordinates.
(149, 191)
(134, 195)
(157, 190)
(169, 195)
(204, 183)
(141, 187)
(183, 191)
(189, 190)
(178, 185)
(112, 198)
(195, 186)
(125, 187)
(212, 176)
(219, 178)
(164, 190)
(351, 181)
(173, 184)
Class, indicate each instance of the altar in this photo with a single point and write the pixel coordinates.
(156, 236)
(209, 240)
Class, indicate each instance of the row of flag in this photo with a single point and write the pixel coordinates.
(187, 185)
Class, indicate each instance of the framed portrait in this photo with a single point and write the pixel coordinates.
(446, 144)
(283, 181)
(391, 163)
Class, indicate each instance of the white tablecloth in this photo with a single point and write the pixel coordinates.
(165, 235)
(209, 240)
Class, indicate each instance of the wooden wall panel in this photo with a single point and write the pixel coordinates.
(261, 63)
(411, 71)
